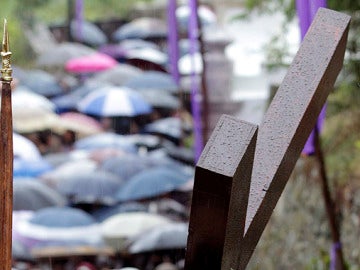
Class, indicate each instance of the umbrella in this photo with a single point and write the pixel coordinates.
(120, 227)
(161, 99)
(153, 80)
(33, 195)
(150, 142)
(61, 53)
(68, 102)
(114, 101)
(27, 120)
(91, 34)
(117, 75)
(90, 63)
(79, 123)
(151, 183)
(42, 82)
(24, 97)
(105, 140)
(60, 226)
(162, 237)
(189, 64)
(170, 127)
(148, 55)
(97, 187)
(68, 169)
(30, 168)
(126, 166)
(108, 211)
(25, 148)
(129, 44)
(206, 16)
(141, 28)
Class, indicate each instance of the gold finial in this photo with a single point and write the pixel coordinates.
(6, 70)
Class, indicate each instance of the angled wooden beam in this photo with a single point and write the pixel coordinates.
(222, 235)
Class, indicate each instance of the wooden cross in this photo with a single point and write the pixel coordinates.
(244, 168)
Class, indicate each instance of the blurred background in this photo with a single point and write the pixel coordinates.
(113, 102)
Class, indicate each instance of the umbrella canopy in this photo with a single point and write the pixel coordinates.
(129, 44)
(117, 75)
(90, 63)
(153, 80)
(33, 195)
(108, 211)
(59, 226)
(126, 166)
(151, 183)
(141, 28)
(163, 237)
(24, 148)
(88, 188)
(42, 82)
(150, 55)
(106, 140)
(79, 123)
(120, 227)
(27, 120)
(30, 168)
(68, 102)
(161, 99)
(68, 169)
(61, 53)
(24, 97)
(88, 33)
(170, 127)
(206, 16)
(114, 101)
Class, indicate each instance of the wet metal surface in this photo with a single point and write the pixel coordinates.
(220, 193)
(221, 190)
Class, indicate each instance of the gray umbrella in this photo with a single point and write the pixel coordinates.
(42, 82)
(88, 33)
(60, 54)
(33, 195)
(117, 75)
(163, 237)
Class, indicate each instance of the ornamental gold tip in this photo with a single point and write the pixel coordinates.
(6, 70)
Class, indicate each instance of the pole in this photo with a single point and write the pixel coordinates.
(79, 15)
(196, 96)
(6, 156)
(336, 254)
(173, 47)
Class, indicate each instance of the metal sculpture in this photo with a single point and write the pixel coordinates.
(240, 176)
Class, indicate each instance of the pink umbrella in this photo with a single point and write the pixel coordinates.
(90, 63)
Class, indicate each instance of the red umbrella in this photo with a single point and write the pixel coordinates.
(90, 63)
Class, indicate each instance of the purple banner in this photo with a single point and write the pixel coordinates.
(196, 97)
(173, 46)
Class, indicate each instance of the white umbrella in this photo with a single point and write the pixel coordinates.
(120, 227)
(24, 148)
(24, 97)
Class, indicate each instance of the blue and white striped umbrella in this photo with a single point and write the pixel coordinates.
(114, 101)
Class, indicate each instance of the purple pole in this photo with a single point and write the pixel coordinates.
(196, 97)
(306, 10)
(303, 12)
(79, 7)
(173, 48)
